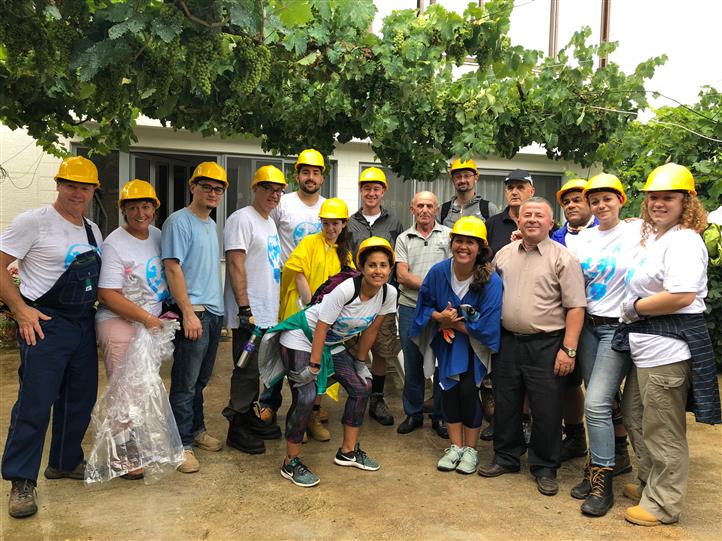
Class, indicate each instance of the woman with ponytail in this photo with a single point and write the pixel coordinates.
(458, 316)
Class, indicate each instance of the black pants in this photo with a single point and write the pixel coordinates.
(244, 381)
(525, 365)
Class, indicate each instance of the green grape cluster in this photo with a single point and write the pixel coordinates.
(251, 66)
(201, 54)
(398, 40)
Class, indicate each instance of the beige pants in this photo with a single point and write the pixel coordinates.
(654, 414)
(114, 336)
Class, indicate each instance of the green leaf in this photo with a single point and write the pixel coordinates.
(52, 12)
(294, 13)
(309, 58)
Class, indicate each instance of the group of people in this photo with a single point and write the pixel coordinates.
(485, 298)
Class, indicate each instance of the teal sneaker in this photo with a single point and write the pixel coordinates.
(451, 459)
(356, 458)
(297, 472)
(469, 461)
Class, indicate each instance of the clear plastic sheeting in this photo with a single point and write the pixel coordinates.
(133, 422)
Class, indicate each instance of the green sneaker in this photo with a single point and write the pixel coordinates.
(297, 472)
(469, 461)
(451, 459)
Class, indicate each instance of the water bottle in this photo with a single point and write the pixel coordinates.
(250, 347)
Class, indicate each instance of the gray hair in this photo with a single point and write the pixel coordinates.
(537, 199)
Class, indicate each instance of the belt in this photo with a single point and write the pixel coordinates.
(599, 320)
(534, 336)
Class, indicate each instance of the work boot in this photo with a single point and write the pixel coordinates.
(323, 414)
(205, 441)
(574, 444)
(78, 473)
(582, 490)
(257, 427)
(601, 497)
(190, 462)
(316, 429)
(379, 410)
(239, 437)
(633, 491)
(622, 462)
(22, 499)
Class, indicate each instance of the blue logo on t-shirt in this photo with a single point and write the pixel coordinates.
(155, 276)
(603, 272)
(274, 257)
(75, 250)
(304, 229)
(348, 326)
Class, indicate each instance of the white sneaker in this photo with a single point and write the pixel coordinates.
(451, 458)
(469, 461)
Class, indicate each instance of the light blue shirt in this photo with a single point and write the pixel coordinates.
(194, 243)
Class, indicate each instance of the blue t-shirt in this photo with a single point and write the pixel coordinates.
(194, 243)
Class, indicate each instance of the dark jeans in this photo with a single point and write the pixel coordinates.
(414, 381)
(59, 372)
(192, 368)
(271, 397)
(244, 381)
(525, 365)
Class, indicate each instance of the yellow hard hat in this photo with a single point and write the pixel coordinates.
(211, 171)
(469, 226)
(138, 189)
(312, 157)
(269, 173)
(374, 242)
(333, 209)
(78, 169)
(373, 174)
(605, 182)
(458, 165)
(670, 177)
(577, 184)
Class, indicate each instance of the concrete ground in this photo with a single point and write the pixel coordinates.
(237, 496)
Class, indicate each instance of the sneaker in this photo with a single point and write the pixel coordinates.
(190, 464)
(315, 429)
(22, 499)
(379, 410)
(450, 460)
(297, 472)
(207, 442)
(78, 473)
(356, 458)
(469, 461)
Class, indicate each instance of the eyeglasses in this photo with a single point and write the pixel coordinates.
(271, 188)
(462, 176)
(207, 188)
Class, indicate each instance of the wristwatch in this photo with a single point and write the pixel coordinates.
(571, 352)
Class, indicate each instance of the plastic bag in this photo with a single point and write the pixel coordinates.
(133, 422)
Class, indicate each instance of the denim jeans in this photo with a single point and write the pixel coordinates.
(192, 368)
(414, 381)
(603, 370)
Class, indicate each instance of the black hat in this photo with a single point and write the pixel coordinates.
(520, 174)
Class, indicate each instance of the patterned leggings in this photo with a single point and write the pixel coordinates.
(302, 398)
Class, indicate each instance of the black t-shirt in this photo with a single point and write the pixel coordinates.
(499, 229)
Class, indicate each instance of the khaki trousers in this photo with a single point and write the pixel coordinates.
(654, 414)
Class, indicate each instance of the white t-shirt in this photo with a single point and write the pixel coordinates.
(345, 320)
(247, 230)
(460, 287)
(677, 263)
(45, 245)
(371, 219)
(295, 220)
(123, 253)
(606, 257)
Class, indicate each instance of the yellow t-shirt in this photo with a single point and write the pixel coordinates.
(317, 260)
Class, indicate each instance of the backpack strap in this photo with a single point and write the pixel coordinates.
(357, 291)
(484, 208)
(445, 208)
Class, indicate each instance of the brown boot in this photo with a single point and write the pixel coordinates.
(316, 429)
(22, 499)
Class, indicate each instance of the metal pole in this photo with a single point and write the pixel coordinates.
(553, 28)
(604, 28)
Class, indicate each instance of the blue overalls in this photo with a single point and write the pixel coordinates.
(60, 371)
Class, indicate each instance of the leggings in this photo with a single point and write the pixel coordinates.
(461, 403)
(302, 397)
